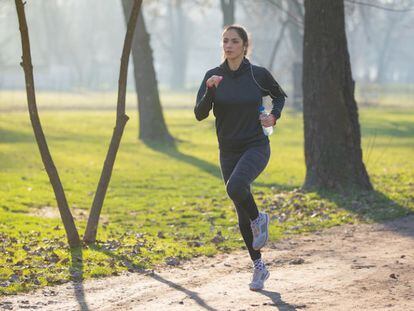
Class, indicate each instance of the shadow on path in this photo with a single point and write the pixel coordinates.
(135, 268)
(76, 273)
(190, 294)
(278, 302)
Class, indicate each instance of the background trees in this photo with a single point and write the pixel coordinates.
(152, 126)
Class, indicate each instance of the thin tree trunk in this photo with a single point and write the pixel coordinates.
(65, 214)
(296, 38)
(228, 9)
(179, 44)
(277, 45)
(152, 126)
(384, 52)
(333, 152)
(297, 98)
(121, 119)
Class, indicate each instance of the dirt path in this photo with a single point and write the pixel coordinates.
(364, 267)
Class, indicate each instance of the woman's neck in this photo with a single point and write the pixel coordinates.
(234, 64)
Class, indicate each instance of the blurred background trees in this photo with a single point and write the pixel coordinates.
(76, 46)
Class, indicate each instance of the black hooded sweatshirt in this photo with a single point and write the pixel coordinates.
(236, 103)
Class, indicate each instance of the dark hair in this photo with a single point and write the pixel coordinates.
(241, 32)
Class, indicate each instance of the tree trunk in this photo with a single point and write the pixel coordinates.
(228, 9)
(179, 45)
(67, 219)
(333, 152)
(277, 45)
(296, 38)
(121, 119)
(152, 126)
(384, 51)
(297, 98)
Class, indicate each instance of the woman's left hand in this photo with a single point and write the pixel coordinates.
(268, 120)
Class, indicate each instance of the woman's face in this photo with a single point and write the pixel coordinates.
(233, 46)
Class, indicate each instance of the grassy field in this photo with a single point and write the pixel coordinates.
(167, 204)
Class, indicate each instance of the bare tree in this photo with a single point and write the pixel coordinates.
(178, 23)
(277, 44)
(382, 38)
(333, 152)
(228, 8)
(152, 126)
(296, 38)
(65, 214)
(294, 12)
(121, 120)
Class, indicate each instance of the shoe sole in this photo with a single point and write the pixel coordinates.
(257, 248)
(257, 289)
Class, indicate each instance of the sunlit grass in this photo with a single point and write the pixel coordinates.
(164, 202)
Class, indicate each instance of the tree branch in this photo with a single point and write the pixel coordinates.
(295, 19)
(377, 6)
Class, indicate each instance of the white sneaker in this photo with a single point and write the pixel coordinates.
(258, 279)
(260, 231)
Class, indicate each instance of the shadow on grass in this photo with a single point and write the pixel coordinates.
(211, 169)
(172, 151)
(372, 206)
(136, 268)
(76, 273)
(402, 129)
(8, 136)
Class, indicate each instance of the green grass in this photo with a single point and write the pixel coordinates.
(168, 203)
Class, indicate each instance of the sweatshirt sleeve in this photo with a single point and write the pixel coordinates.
(276, 93)
(205, 97)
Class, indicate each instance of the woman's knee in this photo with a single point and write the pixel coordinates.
(237, 190)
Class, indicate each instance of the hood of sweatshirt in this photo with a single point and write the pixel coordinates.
(244, 66)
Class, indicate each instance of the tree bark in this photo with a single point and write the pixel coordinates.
(333, 152)
(65, 214)
(121, 119)
(152, 126)
(228, 9)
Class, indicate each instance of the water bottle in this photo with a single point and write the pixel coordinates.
(266, 130)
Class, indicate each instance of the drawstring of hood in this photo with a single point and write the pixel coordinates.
(244, 66)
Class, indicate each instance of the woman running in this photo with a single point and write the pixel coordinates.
(234, 91)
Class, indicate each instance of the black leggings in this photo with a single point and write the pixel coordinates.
(239, 170)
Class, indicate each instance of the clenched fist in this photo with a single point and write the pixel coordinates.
(214, 81)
